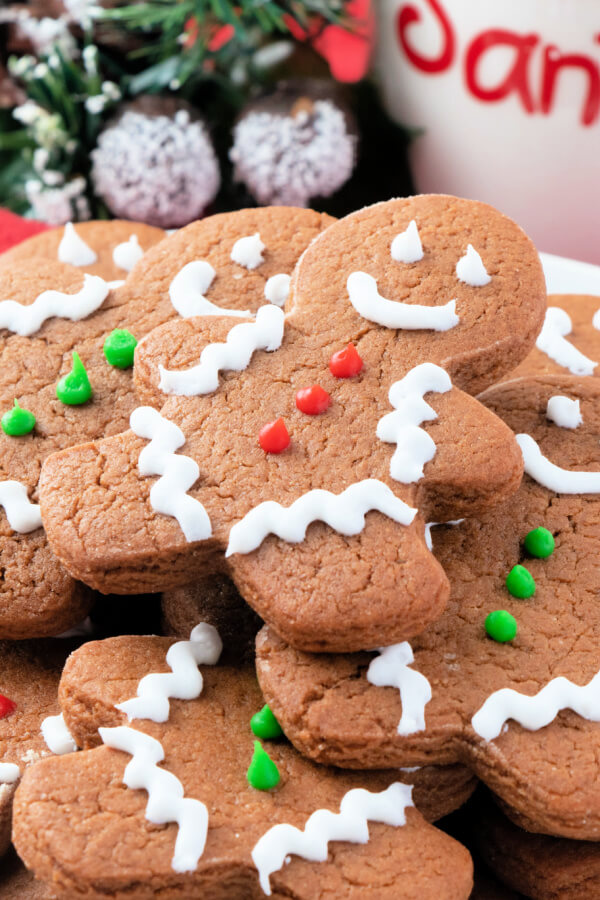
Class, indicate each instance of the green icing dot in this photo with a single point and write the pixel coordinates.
(540, 542)
(262, 773)
(501, 626)
(17, 421)
(520, 582)
(75, 388)
(264, 724)
(119, 347)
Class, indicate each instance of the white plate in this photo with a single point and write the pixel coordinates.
(569, 276)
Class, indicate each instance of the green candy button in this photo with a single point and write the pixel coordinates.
(539, 542)
(17, 421)
(520, 582)
(75, 388)
(262, 773)
(118, 348)
(501, 626)
(264, 724)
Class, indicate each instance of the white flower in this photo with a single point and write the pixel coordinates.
(28, 112)
(95, 104)
(40, 159)
(20, 66)
(111, 90)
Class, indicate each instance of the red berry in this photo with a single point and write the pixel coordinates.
(313, 400)
(273, 437)
(346, 363)
(6, 706)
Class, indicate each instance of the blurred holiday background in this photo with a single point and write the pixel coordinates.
(166, 110)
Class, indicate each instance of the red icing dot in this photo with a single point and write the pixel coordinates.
(313, 400)
(6, 706)
(274, 437)
(346, 363)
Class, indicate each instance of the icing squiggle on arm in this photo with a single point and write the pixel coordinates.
(357, 809)
(26, 320)
(187, 290)
(23, 516)
(551, 341)
(184, 682)
(564, 412)
(74, 250)
(344, 512)
(414, 446)
(178, 473)
(563, 481)
(166, 801)
(265, 333)
(539, 710)
(391, 669)
(368, 303)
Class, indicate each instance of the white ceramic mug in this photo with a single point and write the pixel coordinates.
(505, 97)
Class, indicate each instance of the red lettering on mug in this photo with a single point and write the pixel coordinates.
(516, 79)
(407, 16)
(554, 63)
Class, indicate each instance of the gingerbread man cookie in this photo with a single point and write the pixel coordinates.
(50, 310)
(506, 681)
(31, 725)
(87, 824)
(296, 452)
(569, 342)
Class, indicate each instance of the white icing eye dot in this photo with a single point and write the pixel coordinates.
(127, 254)
(74, 250)
(471, 270)
(596, 320)
(277, 289)
(406, 246)
(247, 251)
(564, 412)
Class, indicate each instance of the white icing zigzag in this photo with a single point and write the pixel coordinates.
(166, 801)
(178, 473)
(343, 512)
(23, 516)
(562, 481)
(414, 446)
(368, 302)
(188, 288)
(266, 333)
(541, 709)
(26, 320)
(74, 250)
(357, 808)
(391, 669)
(184, 682)
(551, 341)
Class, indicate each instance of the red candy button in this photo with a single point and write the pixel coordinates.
(313, 400)
(6, 706)
(274, 437)
(345, 363)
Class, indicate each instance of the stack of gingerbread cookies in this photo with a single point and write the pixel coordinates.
(358, 463)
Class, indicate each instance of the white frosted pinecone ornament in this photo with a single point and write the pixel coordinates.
(288, 150)
(155, 163)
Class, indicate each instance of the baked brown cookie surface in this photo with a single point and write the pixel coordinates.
(569, 343)
(285, 428)
(78, 827)
(29, 676)
(16, 883)
(38, 596)
(521, 713)
(536, 865)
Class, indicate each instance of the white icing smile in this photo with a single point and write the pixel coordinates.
(551, 341)
(562, 481)
(188, 288)
(23, 516)
(368, 302)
